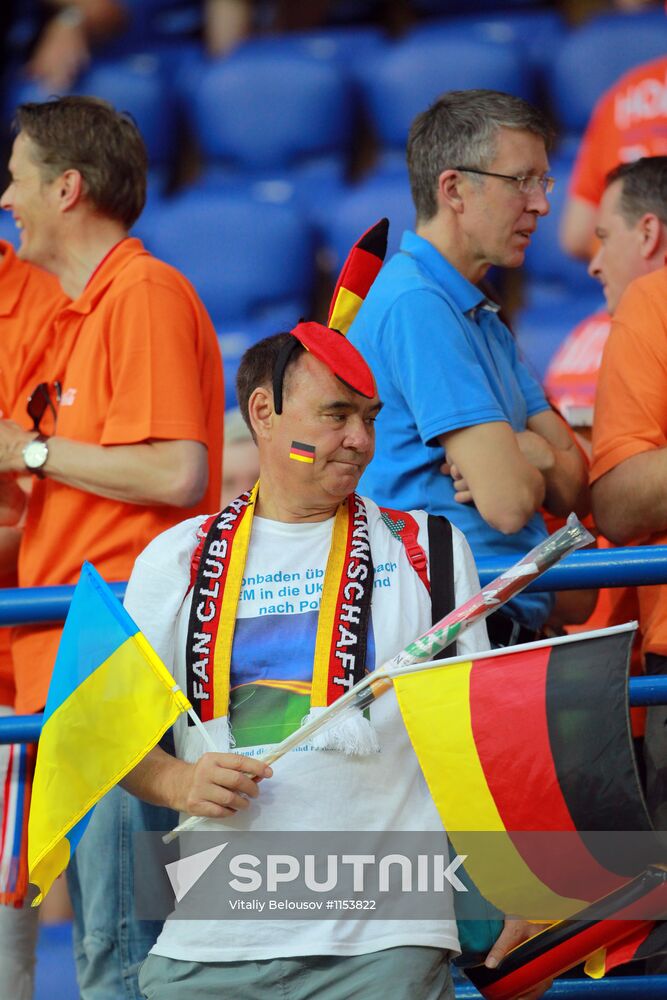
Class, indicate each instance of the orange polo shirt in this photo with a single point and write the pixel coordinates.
(29, 299)
(138, 360)
(631, 412)
(628, 122)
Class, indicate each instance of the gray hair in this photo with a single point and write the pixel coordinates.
(643, 188)
(461, 128)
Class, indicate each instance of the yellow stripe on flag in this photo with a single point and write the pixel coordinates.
(346, 308)
(111, 720)
(596, 964)
(309, 459)
(435, 705)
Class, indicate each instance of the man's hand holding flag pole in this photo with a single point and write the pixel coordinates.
(573, 535)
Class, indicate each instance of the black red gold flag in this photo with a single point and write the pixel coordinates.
(357, 275)
(611, 931)
(529, 759)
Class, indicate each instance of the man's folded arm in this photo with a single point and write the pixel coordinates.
(630, 501)
(549, 445)
(504, 486)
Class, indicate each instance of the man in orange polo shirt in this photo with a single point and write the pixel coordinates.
(628, 122)
(29, 298)
(135, 399)
(629, 472)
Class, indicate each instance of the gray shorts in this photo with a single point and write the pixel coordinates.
(406, 973)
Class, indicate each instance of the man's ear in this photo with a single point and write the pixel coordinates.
(449, 193)
(70, 189)
(261, 412)
(651, 234)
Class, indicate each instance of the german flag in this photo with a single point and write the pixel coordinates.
(649, 939)
(529, 759)
(357, 275)
(612, 926)
(301, 452)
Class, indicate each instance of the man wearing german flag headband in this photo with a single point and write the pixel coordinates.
(267, 612)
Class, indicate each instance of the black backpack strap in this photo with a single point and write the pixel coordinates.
(441, 565)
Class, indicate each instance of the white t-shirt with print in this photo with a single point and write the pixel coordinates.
(272, 656)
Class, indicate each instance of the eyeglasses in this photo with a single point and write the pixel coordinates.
(45, 396)
(527, 183)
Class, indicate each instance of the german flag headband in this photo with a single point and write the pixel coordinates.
(334, 350)
(329, 343)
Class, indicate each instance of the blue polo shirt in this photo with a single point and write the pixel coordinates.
(442, 360)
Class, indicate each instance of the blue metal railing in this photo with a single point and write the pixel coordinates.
(631, 567)
(640, 566)
(619, 988)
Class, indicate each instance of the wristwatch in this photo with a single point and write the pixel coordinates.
(35, 454)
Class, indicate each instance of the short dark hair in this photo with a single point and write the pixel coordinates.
(257, 366)
(643, 188)
(89, 135)
(461, 128)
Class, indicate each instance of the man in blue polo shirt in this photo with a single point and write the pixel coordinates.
(466, 430)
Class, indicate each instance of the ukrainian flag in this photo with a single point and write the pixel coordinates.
(110, 700)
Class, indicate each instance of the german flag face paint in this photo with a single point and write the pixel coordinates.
(301, 452)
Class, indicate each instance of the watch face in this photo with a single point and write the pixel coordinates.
(35, 454)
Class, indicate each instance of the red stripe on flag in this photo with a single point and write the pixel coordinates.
(556, 960)
(358, 274)
(625, 950)
(508, 714)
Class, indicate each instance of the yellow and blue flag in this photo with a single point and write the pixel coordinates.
(110, 701)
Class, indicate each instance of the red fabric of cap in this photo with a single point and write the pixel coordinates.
(337, 353)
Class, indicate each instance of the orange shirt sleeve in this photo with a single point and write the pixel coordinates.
(631, 400)
(154, 351)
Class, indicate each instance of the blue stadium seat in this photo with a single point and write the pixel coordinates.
(412, 73)
(348, 47)
(276, 121)
(472, 6)
(248, 260)
(137, 85)
(263, 110)
(558, 291)
(156, 22)
(362, 205)
(546, 264)
(593, 56)
(8, 230)
(536, 32)
(234, 342)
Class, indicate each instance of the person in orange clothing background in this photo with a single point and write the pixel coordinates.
(631, 226)
(628, 474)
(129, 443)
(628, 122)
(29, 298)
